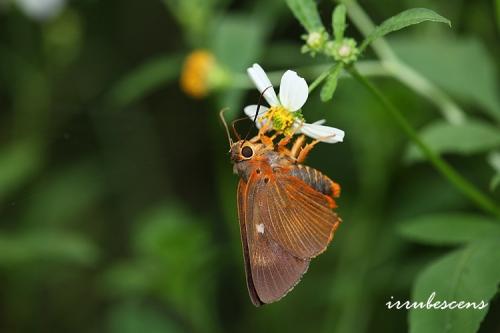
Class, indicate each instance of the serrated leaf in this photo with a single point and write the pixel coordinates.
(471, 274)
(403, 20)
(306, 12)
(468, 138)
(338, 22)
(144, 80)
(449, 228)
(330, 85)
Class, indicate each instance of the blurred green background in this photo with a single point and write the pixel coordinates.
(117, 197)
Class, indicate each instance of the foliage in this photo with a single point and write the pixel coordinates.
(117, 199)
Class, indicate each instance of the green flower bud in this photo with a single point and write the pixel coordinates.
(315, 42)
(344, 51)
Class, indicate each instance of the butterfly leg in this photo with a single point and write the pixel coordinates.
(306, 150)
(281, 145)
(268, 141)
(283, 142)
(297, 146)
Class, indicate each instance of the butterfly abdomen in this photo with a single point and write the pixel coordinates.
(316, 180)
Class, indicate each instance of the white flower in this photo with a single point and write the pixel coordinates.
(292, 96)
(41, 10)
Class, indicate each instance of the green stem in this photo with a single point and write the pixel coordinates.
(323, 76)
(441, 165)
(367, 68)
(401, 71)
(366, 26)
(411, 78)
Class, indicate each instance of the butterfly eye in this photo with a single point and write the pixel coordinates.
(247, 152)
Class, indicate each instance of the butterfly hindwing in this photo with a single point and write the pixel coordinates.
(295, 215)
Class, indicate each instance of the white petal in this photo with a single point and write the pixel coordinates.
(250, 112)
(293, 91)
(323, 133)
(251, 109)
(319, 122)
(262, 82)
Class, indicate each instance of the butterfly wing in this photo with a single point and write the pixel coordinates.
(284, 223)
(296, 216)
(242, 203)
(270, 270)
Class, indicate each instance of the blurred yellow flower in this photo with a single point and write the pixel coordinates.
(195, 76)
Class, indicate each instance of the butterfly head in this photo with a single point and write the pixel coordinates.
(246, 157)
(244, 150)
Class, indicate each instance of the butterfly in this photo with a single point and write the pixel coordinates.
(285, 212)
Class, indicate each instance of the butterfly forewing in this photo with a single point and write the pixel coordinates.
(271, 271)
(244, 242)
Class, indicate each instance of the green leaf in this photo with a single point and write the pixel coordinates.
(477, 84)
(468, 138)
(497, 6)
(338, 22)
(330, 85)
(306, 12)
(403, 20)
(129, 278)
(471, 274)
(54, 199)
(133, 317)
(18, 163)
(238, 41)
(40, 246)
(144, 80)
(449, 228)
(495, 181)
(494, 161)
(164, 238)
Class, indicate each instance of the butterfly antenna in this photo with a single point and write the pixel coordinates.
(234, 127)
(221, 115)
(257, 111)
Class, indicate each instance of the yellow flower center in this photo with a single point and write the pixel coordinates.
(195, 73)
(282, 119)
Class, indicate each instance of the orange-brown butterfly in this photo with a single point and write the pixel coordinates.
(285, 212)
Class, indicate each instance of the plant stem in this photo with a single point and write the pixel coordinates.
(401, 71)
(323, 76)
(367, 68)
(411, 78)
(318, 80)
(366, 26)
(441, 165)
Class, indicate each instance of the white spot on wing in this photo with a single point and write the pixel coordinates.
(260, 228)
